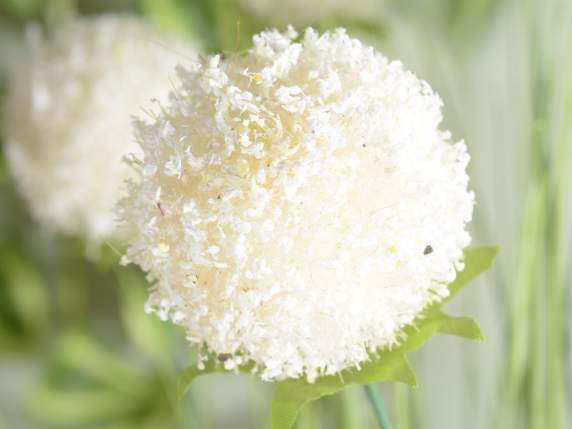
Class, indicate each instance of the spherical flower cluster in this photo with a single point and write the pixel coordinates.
(68, 117)
(305, 12)
(297, 207)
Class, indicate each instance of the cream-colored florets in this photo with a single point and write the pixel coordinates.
(68, 117)
(298, 206)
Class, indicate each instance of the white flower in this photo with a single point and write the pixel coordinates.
(317, 210)
(68, 117)
(306, 12)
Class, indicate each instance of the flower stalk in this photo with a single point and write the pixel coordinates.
(377, 406)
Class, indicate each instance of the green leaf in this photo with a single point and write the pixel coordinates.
(190, 374)
(477, 261)
(435, 321)
(461, 326)
(420, 332)
(291, 395)
(212, 365)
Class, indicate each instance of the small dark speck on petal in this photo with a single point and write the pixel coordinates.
(428, 250)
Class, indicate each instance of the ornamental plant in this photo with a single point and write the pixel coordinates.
(68, 117)
(302, 216)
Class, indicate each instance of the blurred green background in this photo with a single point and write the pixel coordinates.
(77, 350)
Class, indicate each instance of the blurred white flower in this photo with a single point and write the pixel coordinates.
(298, 206)
(68, 117)
(304, 12)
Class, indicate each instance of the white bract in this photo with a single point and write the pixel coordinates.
(68, 117)
(298, 206)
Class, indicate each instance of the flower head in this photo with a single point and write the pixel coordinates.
(68, 117)
(299, 206)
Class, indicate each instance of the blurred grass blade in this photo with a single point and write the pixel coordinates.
(81, 353)
(168, 16)
(374, 28)
(145, 331)
(21, 9)
(25, 302)
(77, 407)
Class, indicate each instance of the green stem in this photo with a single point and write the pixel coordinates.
(377, 405)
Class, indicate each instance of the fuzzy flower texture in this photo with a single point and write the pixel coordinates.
(297, 207)
(68, 117)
